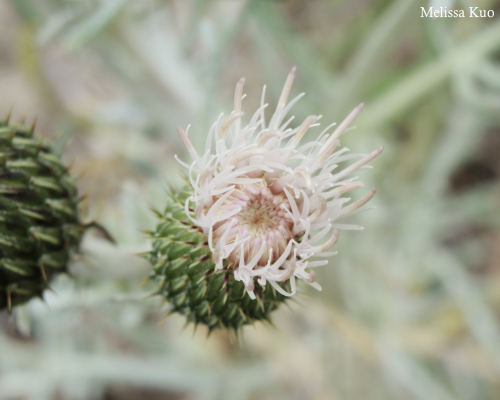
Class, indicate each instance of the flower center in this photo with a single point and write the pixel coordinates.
(262, 220)
(261, 215)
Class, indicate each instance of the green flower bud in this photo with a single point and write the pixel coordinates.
(39, 224)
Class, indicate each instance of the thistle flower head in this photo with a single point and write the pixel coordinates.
(270, 204)
(40, 227)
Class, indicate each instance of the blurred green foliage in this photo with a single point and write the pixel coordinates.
(410, 306)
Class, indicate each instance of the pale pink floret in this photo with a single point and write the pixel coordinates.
(268, 204)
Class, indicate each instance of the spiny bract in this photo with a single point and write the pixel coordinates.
(187, 277)
(39, 224)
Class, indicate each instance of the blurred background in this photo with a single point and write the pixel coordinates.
(410, 307)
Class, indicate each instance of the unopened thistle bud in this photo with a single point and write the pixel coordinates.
(260, 211)
(39, 224)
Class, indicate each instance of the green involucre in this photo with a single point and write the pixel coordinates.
(39, 223)
(187, 279)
